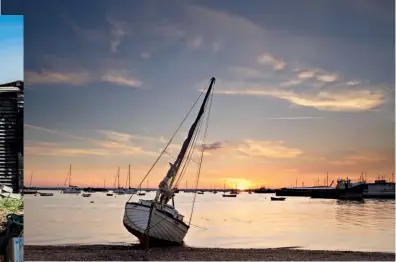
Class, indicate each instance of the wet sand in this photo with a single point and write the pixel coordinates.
(135, 252)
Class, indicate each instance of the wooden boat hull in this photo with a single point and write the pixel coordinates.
(164, 229)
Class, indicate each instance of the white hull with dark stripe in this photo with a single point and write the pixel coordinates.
(166, 225)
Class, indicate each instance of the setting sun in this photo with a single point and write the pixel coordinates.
(239, 183)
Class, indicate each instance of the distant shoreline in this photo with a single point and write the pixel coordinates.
(135, 252)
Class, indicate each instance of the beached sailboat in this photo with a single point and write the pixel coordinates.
(71, 189)
(155, 222)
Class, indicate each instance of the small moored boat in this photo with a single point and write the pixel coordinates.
(278, 198)
(45, 194)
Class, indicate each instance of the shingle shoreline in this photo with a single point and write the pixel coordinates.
(135, 252)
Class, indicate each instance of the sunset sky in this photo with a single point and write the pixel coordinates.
(11, 48)
(303, 88)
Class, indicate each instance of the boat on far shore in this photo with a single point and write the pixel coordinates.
(345, 190)
(86, 194)
(278, 198)
(380, 189)
(45, 194)
(29, 191)
(232, 193)
(263, 190)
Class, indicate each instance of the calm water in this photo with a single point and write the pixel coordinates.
(250, 220)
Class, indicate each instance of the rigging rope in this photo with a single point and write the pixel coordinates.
(193, 145)
(202, 152)
(170, 141)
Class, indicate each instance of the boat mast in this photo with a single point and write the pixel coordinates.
(30, 184)
(129, 177)
(70, 175)
(118, 177)
(172, 172)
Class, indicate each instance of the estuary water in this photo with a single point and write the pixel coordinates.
(247, 221)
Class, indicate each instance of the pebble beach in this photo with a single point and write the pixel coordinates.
(135, 253)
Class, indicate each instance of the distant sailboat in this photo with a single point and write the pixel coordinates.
(71, 189)
(129, 190)
(29, 191)
(140, 192)
(232, 193)
(119, 190)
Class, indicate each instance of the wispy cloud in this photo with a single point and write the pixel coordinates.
(48, 77)
(216, 46)
(308, 74)
(360, 158)
(212, 146)
(116, 136)
(39, 148)
(122, 78)
(353, 83)
(115, 144)
(291, 83)
(125, 137)
(248, 72)
(268, 149)
(53, 131)
(194, 43)
(145, 55)
(118, 77)
(118, 31)
(331, 100)
(268, 59)
(327, 78)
